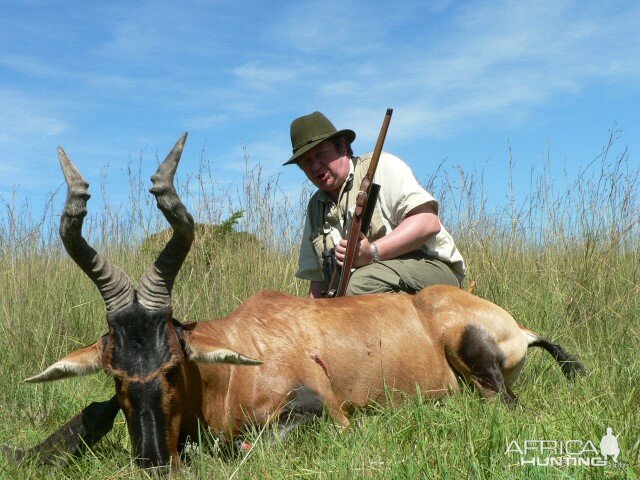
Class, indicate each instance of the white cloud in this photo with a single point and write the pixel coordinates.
(502, 60)
(444, 66)
(30, 66)
(328, 27)
(263, 77)
(340, 88)
(25, 115)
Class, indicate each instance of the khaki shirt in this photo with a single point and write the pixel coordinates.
(400, 193)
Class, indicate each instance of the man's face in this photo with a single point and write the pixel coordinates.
(326, 166)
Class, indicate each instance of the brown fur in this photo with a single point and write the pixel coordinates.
(350, 352)
(367, 343)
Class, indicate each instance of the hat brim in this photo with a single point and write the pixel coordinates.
(349, 134)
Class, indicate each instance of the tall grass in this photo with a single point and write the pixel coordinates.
(563, 259)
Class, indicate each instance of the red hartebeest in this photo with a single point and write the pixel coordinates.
(277, 356)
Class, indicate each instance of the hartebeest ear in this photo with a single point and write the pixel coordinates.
(83, 361)
(200, 349)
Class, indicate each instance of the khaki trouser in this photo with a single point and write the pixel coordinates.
(407, 273)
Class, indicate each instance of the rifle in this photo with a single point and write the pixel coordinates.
(365, 203)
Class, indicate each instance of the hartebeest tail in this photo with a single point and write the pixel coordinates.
(569, 365)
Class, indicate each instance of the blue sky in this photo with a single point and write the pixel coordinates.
(108, 80)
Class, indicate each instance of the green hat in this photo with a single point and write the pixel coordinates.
(311, 130)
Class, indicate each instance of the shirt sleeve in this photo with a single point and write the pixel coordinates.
(307, 266)
(400, 192)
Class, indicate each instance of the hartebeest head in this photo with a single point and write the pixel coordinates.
(145, 348)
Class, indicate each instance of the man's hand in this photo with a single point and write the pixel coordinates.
(420, 224)
(363, 253)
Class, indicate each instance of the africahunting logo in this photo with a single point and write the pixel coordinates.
(567, 453)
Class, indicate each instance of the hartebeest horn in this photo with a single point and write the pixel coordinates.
(156, 284)
(114, 285)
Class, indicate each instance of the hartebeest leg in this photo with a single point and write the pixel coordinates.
(304, 406)
(479, 359)
(287, 423)
(338, 416)
(82, 431)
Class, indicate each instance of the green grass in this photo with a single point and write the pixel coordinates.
(564, 263)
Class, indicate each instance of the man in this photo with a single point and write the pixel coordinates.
(406, 247)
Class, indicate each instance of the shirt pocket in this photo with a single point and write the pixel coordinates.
(322, 242)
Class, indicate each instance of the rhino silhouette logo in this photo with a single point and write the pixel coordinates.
(609, 445)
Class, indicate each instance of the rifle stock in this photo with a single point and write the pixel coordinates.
(365, 202)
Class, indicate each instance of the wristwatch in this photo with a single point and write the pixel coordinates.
(376, 253)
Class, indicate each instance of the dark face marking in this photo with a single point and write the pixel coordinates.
(147, 423)
(139, 341)
(144, 354)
